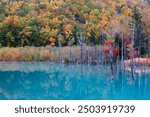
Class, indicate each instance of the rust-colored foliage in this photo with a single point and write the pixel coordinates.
(40, 22)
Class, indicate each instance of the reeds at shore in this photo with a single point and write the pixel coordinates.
(45, 53)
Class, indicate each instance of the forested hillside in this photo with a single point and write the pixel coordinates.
(44, 22)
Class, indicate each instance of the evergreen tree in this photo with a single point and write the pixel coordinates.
(139, 26)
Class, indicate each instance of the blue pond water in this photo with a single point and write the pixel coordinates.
(44, 80)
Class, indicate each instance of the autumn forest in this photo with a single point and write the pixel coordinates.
(61, 22)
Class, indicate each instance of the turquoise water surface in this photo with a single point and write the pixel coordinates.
(53, 81)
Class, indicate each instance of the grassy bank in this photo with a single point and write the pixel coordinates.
(53, 54)
(45, 53)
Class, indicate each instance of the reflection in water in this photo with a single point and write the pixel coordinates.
(43, 80)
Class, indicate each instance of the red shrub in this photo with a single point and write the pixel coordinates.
(135, 54)
(108, 43)
(115, 52)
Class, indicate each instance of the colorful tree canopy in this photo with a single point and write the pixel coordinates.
(44, 22)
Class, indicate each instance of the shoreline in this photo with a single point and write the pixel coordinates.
(138, 61)
(63, 54)
(142, 65)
